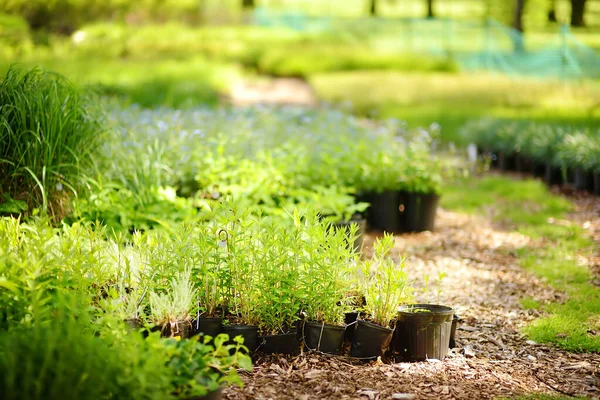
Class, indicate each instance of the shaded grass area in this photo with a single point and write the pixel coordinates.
(528, 207)
(453, 99)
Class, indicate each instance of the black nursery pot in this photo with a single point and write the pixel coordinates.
(417, 211)
(597, 183)
(323, 337)
(552, 175)
(350, 320)
(287, 343)
(248, 332)
(583, 180)
(362, 226)
(207, 326)
(455, 320)
(383, 213)
(422, 335)
(370, 340)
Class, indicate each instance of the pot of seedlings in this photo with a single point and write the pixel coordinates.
(385, 285)
(328, 264)
(280, 286)
(239, 282)
(170, 311)
(200, 370)
(208, 275)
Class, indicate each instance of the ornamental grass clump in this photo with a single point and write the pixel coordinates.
(48, 134)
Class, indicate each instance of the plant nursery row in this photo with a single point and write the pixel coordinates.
(152, 252)
(558, 154)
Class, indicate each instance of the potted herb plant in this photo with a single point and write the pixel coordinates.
(280, 284)
(402, 182)
(384, 285)
(208, 275)
(240, 280)
(327, 282)
(170, 312)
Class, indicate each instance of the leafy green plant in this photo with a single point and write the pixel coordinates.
(384, 283)
(328, 271)
(48, 135)
(198, 368)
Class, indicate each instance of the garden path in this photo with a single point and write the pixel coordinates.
(281, 91)
(492, 358)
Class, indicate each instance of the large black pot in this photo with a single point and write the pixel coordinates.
(323, 337)
(583, 180)
(361, 224)
(248, 332)
(423, 332)
(399, 212)
(417, 211)
(370, 340)
(383, 213)
(553, 175)
(287, 343)
(597, 183)
(207, 326)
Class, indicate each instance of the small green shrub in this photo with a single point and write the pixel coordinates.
(47, 137)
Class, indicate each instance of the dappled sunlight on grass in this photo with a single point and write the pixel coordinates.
(553, 254)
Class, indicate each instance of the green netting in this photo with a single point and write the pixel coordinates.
(475, 46)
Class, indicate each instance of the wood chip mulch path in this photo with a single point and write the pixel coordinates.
(492, 358)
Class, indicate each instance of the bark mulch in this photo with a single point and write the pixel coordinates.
(492, 359)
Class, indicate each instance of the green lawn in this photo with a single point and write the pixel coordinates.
(453, 99)
(527, 206)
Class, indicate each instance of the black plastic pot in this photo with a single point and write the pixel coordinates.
(384, 213)
(280, 344)
(350, 319)
(597, 183)
(425, 334)
(248, 332)
(370, 340)
(553, 175)
(417, 211)
(506, 162)
(323, 337)
(583, 180)
(207, 326)
(357, 245)
(455, 321)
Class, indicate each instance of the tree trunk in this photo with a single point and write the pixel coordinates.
(577, 12)
(373, 8)
(248, 4)
(552, 11)
(430, 13)
(518, 20)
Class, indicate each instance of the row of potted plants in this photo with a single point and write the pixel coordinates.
(265, 155)
(558, 154)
